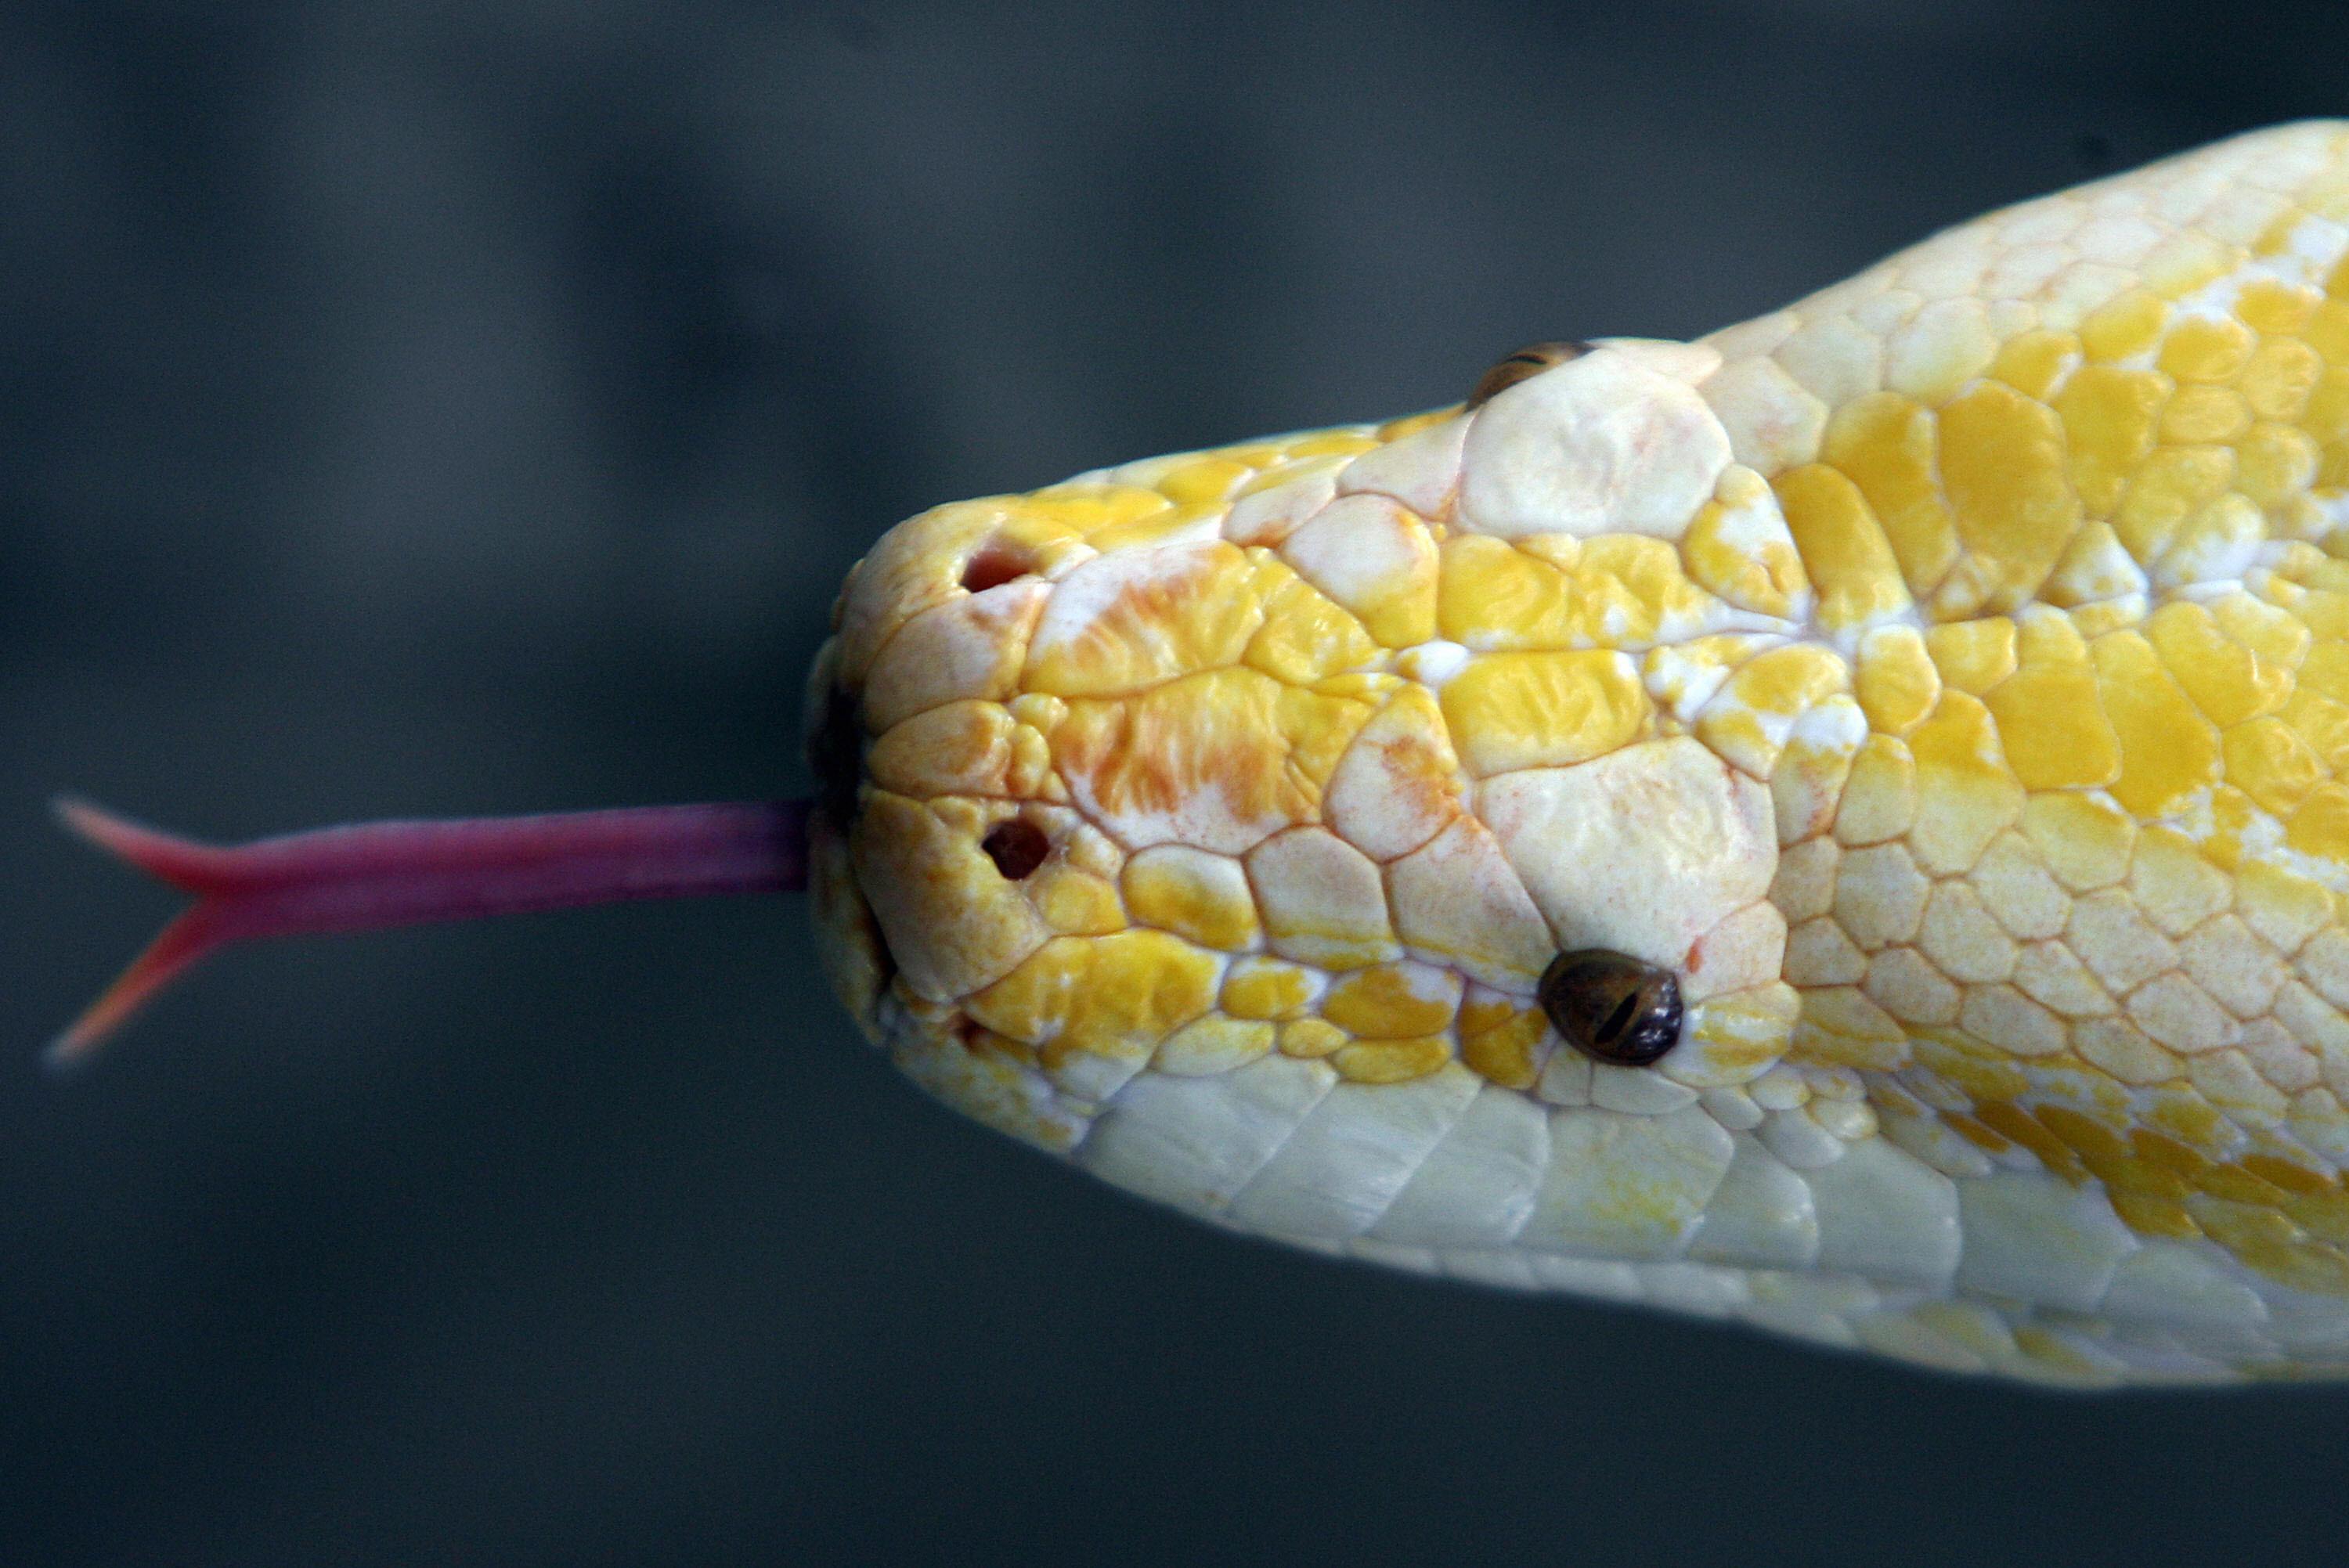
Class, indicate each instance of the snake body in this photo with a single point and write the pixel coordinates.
(1946, 678)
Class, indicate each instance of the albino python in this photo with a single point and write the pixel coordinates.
(1841, 826)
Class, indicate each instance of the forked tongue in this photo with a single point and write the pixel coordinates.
(366, 876)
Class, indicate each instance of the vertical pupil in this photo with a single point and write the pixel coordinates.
(1619, 1017)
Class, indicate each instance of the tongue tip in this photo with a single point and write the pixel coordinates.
(183, 862)
(65, 1055)
(367, 876)
(174, 950)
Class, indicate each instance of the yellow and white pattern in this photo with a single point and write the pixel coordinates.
(1946, 677)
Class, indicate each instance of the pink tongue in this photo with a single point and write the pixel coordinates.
(368, 875)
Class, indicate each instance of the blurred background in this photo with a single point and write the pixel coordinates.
(415, 408)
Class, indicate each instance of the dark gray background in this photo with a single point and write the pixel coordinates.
(414, 408)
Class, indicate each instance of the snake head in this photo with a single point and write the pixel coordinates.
(1290, 770)
(1838, 826)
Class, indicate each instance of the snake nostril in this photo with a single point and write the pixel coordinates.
(993, 564)
(1017, 848)
(1611, 1008)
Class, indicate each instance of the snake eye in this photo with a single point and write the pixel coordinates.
(1612, 1008)
(1531, 360)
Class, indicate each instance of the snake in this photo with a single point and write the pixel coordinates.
(1839, 827)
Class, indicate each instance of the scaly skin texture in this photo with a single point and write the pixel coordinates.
(1946, 677)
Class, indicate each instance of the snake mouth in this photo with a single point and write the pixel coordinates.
(835, 753)
(856, 955)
